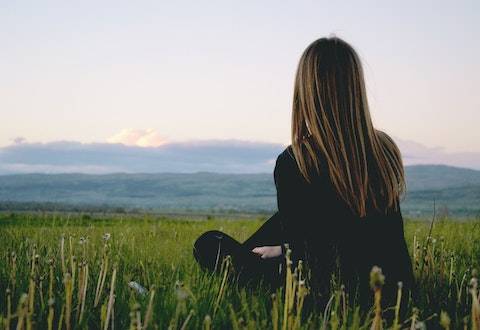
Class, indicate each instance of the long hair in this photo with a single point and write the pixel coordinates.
(331, 121)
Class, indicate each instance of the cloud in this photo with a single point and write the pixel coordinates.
(414, 153)
(222, 156)
(19, 140)
(138, 137)
(229, 156)
(55, 169)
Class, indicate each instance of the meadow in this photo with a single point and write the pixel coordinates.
(61, 271)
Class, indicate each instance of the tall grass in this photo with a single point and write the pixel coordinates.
(67, 272)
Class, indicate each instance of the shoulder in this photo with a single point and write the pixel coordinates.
(285, 164)
(286, 156)
(286, 160)
(286, 168)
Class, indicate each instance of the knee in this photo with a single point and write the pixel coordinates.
(206, 247)
(208, 239)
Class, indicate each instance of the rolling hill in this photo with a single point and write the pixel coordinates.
(455, 190)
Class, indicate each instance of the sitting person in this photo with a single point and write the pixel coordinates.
(338, 190)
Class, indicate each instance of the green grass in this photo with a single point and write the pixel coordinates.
(158, 254)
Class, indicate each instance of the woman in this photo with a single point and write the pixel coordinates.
(338, 189)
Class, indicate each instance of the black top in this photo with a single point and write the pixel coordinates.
(321, 229)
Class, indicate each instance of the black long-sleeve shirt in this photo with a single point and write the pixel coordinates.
(321, 229)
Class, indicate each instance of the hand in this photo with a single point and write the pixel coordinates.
(268, 251)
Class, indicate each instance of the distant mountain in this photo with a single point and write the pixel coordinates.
(170, 192)
(455, 190)
(434, 177)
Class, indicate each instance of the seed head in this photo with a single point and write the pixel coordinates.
(138, 288)
(180, 290)
(23, 299)
(420, 325)
(473, 283)
(475, 273)
(377, 279)
(288, 253)
(415, 311)
(241, 322)
(444, 320)
(207, 321)
(136, 307)
(67, 277)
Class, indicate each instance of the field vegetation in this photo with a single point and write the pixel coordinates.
(61, 271)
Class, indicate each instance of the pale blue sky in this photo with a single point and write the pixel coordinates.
(85, 71)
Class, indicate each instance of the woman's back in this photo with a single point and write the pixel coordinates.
(322, 230)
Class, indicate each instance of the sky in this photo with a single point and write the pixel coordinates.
(147, 73)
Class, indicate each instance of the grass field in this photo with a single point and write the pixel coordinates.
(73, 272)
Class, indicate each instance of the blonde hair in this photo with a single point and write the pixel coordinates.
(331, 119)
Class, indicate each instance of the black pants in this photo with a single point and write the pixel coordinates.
(213, 246)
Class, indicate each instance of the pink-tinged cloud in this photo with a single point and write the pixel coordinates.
(138, 138)
(414, 153)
